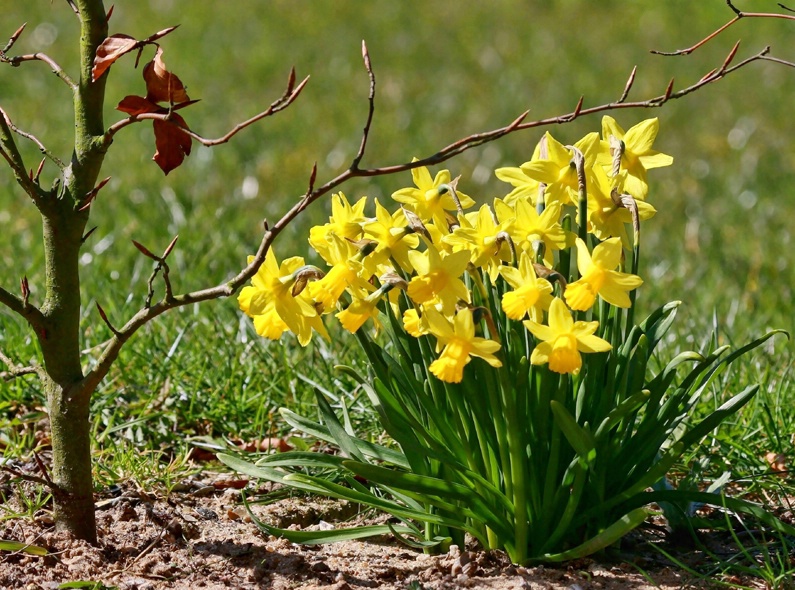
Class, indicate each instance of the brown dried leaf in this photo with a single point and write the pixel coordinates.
(109, 51)
(138, 105)
(777, 462)
(172, 143)
(162, 85)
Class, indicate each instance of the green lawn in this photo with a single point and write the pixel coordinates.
(720, 241)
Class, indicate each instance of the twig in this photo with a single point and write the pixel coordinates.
(31, 478)
(15, 60)
(278, 105)
(371, 108)
(738, 14)
(42, 148)
(147, 313)
(23, 308)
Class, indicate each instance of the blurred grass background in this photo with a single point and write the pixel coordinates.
(721, 240)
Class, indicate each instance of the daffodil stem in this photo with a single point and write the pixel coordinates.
(518, 468)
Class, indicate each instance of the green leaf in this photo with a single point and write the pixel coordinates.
(23, 547)
(343, 440)
(604, 539)
(580, 439)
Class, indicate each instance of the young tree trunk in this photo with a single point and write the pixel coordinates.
(64, 219)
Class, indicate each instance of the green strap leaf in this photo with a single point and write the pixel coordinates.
(604, 539)
(23, 547)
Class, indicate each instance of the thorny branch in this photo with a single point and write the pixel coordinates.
(15, 370)
(281, 103)
(22, 307)
(148, 313)
(47, 153)
(738, 14)
(15, 60)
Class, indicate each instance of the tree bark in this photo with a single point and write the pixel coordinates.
(64, 219)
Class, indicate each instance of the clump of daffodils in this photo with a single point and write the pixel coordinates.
(550, 255)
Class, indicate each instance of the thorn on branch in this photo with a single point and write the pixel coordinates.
(88, 234)
(312, 178)
(291, 80)
(730, 57)
(110, 13)
(669, 90)
(736, 10)
(787, 8)
(24, 287)
(628, 85)
(105, 319)
(93, 194)
(145, 251)
(170, 247)
(14, 37)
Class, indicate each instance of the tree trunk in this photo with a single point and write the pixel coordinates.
(64, 219)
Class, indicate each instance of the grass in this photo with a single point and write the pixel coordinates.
(720, 241)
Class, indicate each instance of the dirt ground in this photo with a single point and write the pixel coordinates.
(201, 537)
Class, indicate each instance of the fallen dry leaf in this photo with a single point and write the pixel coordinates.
(777, 462)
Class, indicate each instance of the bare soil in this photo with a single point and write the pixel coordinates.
(201, 537)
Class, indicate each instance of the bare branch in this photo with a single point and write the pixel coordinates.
(13, 38)
(371, 110)
(15, 370)
(739, 14)
(279, 104)
(15, 60)
(31, 478)
(105, 319)
(7, 122)
(149, 312)
(22, 307)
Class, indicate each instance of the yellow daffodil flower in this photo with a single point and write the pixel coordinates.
(528, 226)
(347, 272)
(599, 277)
(558, 173)
(393, 237)
(432, 197)
(563, 340)
(605, 218)
(438, 277)
(531, 295)
(359, 311)
(269, 301)
(484, 237)
(346, 222)
(458, 344)
(637, 154)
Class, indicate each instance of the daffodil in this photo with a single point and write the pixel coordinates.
(606, 219)
(431, 197)
(524, 187)
(529, 227)
(599, 277)
(438, 277)
(394, 238)
(359, 311)
(636, 154)
(484, 237)
(458, 344)
(562, 341)
(531, 294)
(346, 222)
(557, 171)
(347, 272)
(271, 303)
